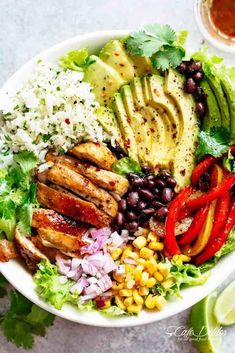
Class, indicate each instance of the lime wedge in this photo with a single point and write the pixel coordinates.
(225, 306)
(205, 328)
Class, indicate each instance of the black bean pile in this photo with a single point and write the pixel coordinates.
(148, 196)
(194, 74)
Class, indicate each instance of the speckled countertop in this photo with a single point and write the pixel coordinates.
(27, 27)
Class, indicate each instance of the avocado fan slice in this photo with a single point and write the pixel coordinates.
(229, 92)
(213, 116)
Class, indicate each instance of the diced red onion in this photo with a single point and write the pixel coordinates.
(109, 264)
(88, 268)
(130, 261)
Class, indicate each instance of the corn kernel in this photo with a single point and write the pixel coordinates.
(133, 255)
(151, 237)
(135, 309)
(116, 253)
(158, 276)
(130, 284)
(128, 301)
(150, 302)
(160, 302)
(129, 268)
(145, 231)
(143, 291)
(125, 293)
(164, 270)
(129, 276)
(141, 262)
(146, 253)
(137, 298)
(129, 247)
(126, 253)
(154, 245)
(138, 271)
(119, 302)
(139, 242)
(144, 278)
(118, 286)
(151, 282)
(151, 266)
(184, 258)
(168, 283)
(119, 278)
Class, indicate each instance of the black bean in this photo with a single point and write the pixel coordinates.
(132, 176)
(132, 227)
(203, 185)
(161, 213)
(182, 68)
(157, 204)
(160, 184)
(164, 175)
(198, 76)
(156, 193)
(122, 205)
(141, 205)
(190, 85)
(145, 223)
(148, 211)
(198, 94)
(133, 198)
(171, 182)
(201, 109)
(120, 219)
(131, 215)
(167, 195)
(137, 182)
(151, 184)
(195, 66)
(150, 177)
(146, 194)
(146, 169)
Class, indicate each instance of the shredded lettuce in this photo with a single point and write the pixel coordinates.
(113, 311)
(76, 60)
(125, 166)
(50, 288)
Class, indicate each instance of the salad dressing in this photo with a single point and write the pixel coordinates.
(222, 13)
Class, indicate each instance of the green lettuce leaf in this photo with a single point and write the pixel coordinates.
(229, 162)
(76, 60)
(50, 288)
(113, 311)
(125, 166)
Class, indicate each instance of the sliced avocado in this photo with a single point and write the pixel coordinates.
(160, 99)
(108, 121)
(212, 117)
(145, 89)
(104, 80)
(142, 65)
(114, 54)
(184, 161)
(126, 130)
(137, 91)
(138, 124)
(229, 92)
(216, 87)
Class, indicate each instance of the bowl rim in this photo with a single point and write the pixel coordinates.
(15, 272)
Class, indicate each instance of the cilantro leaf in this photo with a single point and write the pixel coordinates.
(229, 162)
(76, 60)
(26, 160)
(23, 319)
(150, 40)
(126, 165)
(213, 141)
(3, 283)
(168, 57)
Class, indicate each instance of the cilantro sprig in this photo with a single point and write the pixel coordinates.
(160, 43)
(22, 320)
(214, 142)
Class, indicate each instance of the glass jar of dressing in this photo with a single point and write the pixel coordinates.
(216, 21)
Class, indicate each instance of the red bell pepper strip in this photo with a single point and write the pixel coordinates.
(195, 227)
(170, 242)
(221, 214)
(201, 168)
(211, 250)
(212, 194)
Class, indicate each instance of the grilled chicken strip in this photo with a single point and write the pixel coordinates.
(7, 250)
(28, 251)
(83, 187)
(43, 218)
(71, 206)
(59, 240)
(103, 178)
(96, 153)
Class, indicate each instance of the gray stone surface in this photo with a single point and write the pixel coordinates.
(27, 27)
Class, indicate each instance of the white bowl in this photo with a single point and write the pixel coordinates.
(16, 273)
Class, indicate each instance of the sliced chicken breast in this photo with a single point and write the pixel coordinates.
(43, 218)
(28, 251)
(66, 177)
(96, 153)
(8, 250)
(59, 240)
(71, 206)
(103, 178)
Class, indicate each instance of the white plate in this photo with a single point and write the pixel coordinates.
(22, 280)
